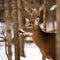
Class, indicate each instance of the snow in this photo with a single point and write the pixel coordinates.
(2, 51)
(31, 51)
(53, 7)
(49, 26)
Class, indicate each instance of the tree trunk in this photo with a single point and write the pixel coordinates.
(58, 31)
(8, 31)
(20, 22)
(44, 15)
(15, 28)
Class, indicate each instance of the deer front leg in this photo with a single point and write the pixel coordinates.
(43, 57)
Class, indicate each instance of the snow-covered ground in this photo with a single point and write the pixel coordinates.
(2, 51)
(32, 52)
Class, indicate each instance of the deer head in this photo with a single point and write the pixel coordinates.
(29, 26)
(31, 22)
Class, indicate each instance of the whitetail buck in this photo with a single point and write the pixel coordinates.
(45, 41)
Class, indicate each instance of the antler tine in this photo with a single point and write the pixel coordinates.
(34, 11)
(28, 11)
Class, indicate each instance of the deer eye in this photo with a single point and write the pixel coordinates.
(29, 26)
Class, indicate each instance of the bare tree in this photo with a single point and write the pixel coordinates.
(8, 31)
(58, 31)
(44, 15)
(15, 28)
(20, 22)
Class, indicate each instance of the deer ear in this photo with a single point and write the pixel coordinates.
(27, 20)
(37, 19)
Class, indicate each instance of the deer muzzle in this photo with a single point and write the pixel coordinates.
(21, 31)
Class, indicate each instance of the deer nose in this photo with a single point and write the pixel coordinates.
(21, 31)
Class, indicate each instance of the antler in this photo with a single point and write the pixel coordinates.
(34, 11)
(28, 11)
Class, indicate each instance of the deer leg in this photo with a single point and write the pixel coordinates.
(51, 59)
(43, 57)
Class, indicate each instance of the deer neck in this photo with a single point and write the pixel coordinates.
(38, 36)
(37, 32)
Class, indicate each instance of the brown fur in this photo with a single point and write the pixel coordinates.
(45, 41)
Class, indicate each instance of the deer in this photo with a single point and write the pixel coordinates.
(45, 41)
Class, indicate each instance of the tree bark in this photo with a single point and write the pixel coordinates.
(8, 31)
(15, 28)
(44, 15)
(20, 22)
(58, 31)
